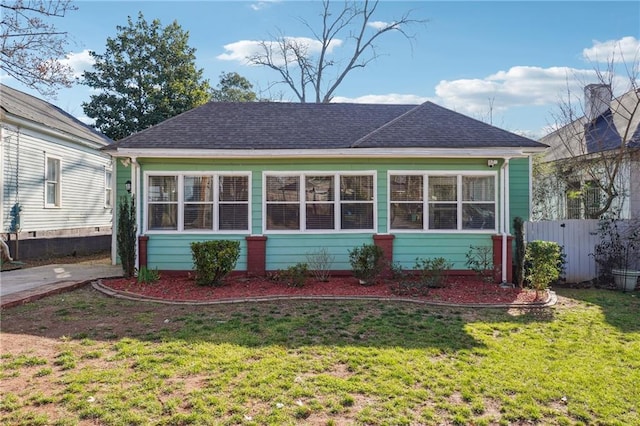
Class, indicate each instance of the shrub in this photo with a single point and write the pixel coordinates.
(543, 258)
(214, 260)
(320, 262)
(480, 261)
(432, 271)
(296, 275)
(146, 275)
(126, 235)
(619, 246)
(366, 262)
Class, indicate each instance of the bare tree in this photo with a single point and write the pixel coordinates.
(304, 64)
(31, 46)
(595, 144)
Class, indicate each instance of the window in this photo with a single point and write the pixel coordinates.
(442, 202)
(52, 182)
(108, 190)
(214, 202)
(583, 200)
(317, 202)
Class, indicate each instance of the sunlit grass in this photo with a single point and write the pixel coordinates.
(330, 363)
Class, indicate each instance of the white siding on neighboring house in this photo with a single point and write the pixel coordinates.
(82, 182)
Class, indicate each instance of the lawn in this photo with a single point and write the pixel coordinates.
(83, 358)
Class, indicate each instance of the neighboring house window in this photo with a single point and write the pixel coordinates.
(216, 202)
(583, 201)
(592, 199)
(317, 202)
(52, 182)
(108, 190)
(442, 202)
(574, 204)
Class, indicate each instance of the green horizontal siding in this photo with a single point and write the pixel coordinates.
(286, 250)
(453, 247)
(172, 251)
(518, 189)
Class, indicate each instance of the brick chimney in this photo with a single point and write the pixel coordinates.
(597, 100)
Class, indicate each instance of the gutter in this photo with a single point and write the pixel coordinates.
(326, 153)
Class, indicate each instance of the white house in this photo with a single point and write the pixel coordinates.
(57, 190)
(593, 163)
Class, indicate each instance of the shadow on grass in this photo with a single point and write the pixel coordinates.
(88, 314)
(621, 310)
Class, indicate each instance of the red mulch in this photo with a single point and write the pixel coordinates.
(184, 288)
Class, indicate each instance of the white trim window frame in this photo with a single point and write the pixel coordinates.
(442, 202)
(197, 202)
(52, 181)
(108, 187)
(319, 202)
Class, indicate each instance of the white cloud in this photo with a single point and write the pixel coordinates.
(78, 62)
(263, 4)
(241, 50)
(390, 98)
(378, 25)
(518, 86)
(627, 49)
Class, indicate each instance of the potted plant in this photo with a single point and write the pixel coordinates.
(618, 253)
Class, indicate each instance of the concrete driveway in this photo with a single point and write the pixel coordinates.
(23, 285)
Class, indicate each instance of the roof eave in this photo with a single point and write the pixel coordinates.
(328, 153)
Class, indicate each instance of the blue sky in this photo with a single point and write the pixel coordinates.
(515, 56)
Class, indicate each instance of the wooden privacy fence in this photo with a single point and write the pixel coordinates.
(578, 238)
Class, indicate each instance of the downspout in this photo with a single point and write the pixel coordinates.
(135, 169)
(504, 222)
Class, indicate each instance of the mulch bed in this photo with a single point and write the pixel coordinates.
(183, 287)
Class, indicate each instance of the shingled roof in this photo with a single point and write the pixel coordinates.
(19, 104)
(274, 125)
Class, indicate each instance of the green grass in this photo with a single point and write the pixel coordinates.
(326, 363)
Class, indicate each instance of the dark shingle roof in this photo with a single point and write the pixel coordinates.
(36, 110)
(272, 125)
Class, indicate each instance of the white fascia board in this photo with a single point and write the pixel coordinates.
(326, 153)
(20, 122)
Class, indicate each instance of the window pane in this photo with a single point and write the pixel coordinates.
(198, 216)
(356, 216)
(163, 188)
(476, 188)
(356, 188)
(198, 188)
(406, 188)
(283, 188)
(443, 188)
(53, 166)
(163, 216)
(320, 216)
(478, 216)
(319, 188)
(443, 216)
(234, 217)
(52, 193)
(283, 216)
(406, 216)
(234, 188)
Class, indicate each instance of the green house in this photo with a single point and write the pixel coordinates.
(287, 179)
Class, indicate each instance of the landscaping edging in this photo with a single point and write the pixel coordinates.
(550, 299)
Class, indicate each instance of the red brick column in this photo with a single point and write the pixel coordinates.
(497, 257)
(142, 251)
(256, 255)
(385, 242)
